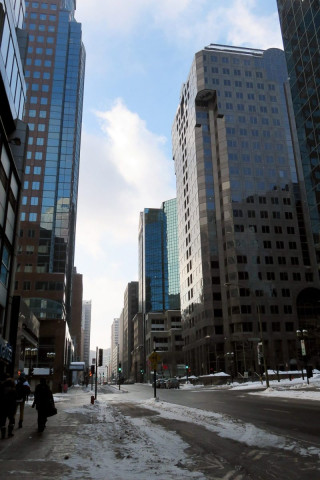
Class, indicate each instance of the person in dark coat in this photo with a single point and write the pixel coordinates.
(23, 390)
(8, 397)
(43, 400)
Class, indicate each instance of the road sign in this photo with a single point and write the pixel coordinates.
(154, 358)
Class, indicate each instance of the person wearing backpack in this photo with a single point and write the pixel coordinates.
(7, 406)
(23, 390)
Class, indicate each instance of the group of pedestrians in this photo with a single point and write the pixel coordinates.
(13, 395)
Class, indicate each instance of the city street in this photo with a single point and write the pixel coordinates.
(128, 435)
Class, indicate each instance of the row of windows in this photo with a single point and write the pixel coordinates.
(41, 127)
(34, 185)
(41, 39)
(35, 170)
(42, 16)
(41, 27)
(237, 72)
(232, 143)
(42, 5)
(225, 60)
(33, 201)
(242, 107)
(38, 62)
(38, 141)
(284, 276)
(32, 217)
(268, 260)
(36, 155)
(263, 214)
(40, 50)
(35, 87)
(265, 229)
(275, 326)
(38, 74)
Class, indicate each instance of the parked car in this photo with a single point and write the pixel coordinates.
(173, 383)
(161, 383)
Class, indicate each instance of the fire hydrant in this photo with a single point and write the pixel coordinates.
(92, 399)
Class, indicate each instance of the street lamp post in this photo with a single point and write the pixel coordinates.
(30, 353)
(229, 284)
(302, 334)
(230, 357)
(51, 356)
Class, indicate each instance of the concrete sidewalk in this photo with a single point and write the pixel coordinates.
(29, 454)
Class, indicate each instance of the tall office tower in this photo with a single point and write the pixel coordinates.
(158, 259)
(130, 308)
(114, 348)
(300, 32)
(159, 285)
(13, 133)
(245, 265)
(55, 77)
(76, 330)
(86, 325)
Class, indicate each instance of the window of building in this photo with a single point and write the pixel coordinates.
(26, 285)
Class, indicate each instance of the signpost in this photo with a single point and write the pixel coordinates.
(154, 359)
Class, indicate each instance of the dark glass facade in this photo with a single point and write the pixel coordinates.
(13, 137)
(158, 262)
(55, 78)
(241, 212)
(300, 25)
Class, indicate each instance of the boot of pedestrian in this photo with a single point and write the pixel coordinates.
(3, 432)
(20, 424)
(10, 431)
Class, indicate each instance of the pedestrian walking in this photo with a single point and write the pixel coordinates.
(44, 403)
(23, 390)
(8, 397)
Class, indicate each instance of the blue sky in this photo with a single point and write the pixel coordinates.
(139, 53)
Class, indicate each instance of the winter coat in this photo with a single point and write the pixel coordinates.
(8, 397)
(23, 389)
(43, 397)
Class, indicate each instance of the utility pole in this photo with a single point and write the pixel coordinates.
(96, 376)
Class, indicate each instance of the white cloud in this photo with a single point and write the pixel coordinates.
(186, 22)
(123, 170)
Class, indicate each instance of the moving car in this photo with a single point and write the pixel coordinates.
(173, 383)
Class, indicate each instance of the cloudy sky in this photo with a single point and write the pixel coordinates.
(139, 53)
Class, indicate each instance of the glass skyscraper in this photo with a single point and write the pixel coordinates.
(55, 78)
(13, 135)
(54, 72)
(242, 226)
(158, 259)
(300, 26)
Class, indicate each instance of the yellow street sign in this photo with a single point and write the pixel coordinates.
(154, 358)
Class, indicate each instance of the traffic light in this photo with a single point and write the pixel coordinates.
(100, 357)
(92, 369)
(90, 374)
(51, 371)
(31, 371)
(187, 367)
(119, 368)
(141, 370)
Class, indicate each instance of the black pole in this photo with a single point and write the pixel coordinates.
(96, 376)
(154, 382)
